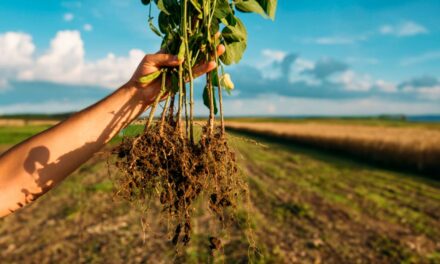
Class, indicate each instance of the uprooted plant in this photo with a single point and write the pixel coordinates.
(167, 161)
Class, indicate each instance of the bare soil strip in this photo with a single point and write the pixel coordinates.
(27, 122)
(414, 148)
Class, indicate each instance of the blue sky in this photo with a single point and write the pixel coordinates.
(340, 57)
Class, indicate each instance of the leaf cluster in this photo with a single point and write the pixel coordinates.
(206, 18)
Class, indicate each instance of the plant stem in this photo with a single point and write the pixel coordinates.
(220, 104)
(210, 13)
(179, 111)
(162, 119)
(186, 111)
(211, 103)
(220, 97)
(156, 101)
(171, 109)
(189, 68)
(211, 16)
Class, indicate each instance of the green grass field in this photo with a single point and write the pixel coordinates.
(15, 134)
(305, 207)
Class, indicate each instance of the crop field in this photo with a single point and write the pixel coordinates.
(305, 206)
(402, 144)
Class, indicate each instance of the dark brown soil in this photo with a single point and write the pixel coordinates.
(162, 164)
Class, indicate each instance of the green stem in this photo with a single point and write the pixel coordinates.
(211, 103)
(189, 68)
(179, 110)
(162, 119)
(211, 16)
(220, 95)
(186, 111)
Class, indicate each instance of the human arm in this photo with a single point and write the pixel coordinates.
(33, 167)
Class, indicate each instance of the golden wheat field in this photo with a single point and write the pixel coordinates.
(416, 147)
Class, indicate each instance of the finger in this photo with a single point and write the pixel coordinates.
(160, 59)
(204, 68)
(221, 49)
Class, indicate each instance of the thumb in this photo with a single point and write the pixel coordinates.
(162, 60)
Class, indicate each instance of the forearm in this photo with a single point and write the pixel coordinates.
(33, 167)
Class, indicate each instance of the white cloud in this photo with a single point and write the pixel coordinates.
(112, 71)
(61, 63)
(4, 84)
(65, 63)
(16, 50)
(385, 86)
(88, 27)
(327, 107)
(298, 68)
(68, 17)
(326, 67)
(429, 56)
(425, 87)
(274, 55)
(386, 29)
(405, 29)
(353, 81)
(424, 92)
(431, 93)
(266, 64)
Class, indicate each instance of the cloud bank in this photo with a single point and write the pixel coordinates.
(62, 79)
(64, 62)
(293, 76)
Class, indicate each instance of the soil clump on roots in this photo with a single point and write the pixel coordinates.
(161, 163)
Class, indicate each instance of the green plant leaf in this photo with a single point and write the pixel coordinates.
(214, 78)
(235, 41)
(270, 7)
(266, 8)
(182, 49)
(215, 26)
(154, 28)
(170, 44)
(150, 77)
(235, 33)
(222, 9)
(164, 23)
(229, 20)
(206, 99)
(250, 6)
(162, 6)
(196, 5)
(234, 52)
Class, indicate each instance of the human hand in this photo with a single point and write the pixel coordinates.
(154, 62)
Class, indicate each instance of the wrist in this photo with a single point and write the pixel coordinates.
(144, 94)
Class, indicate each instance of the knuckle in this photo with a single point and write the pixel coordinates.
(148, 57)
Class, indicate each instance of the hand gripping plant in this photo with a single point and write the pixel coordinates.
(167, 161)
